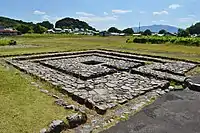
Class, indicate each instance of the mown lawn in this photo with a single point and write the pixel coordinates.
(23, 108)
(54, 43)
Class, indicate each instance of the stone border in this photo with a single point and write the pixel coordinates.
(83, 97)
(191, 84)
(106, 50)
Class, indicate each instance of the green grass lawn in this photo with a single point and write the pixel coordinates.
(54, 43)
(25, 109)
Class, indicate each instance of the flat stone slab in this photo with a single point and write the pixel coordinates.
(193, 83)
(102, 79)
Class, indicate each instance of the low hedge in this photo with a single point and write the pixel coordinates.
(164, 40)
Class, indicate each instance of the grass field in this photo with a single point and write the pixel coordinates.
(53, 43)
(4, 41)
(24, 108)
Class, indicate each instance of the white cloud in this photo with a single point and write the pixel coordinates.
(105, 13)
(52, 19)
(121, 11)
(46, 17)
(36, 12)
(98, 18)
(186, 19)
(142, 12)
(192, 15)
(161, 13)
(84, 14)
(174, 6)
(163, 20)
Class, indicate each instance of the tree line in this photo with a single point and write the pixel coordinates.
(30, 27)
(194, 29)
(26, 27)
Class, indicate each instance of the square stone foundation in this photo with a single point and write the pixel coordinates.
(103, 79)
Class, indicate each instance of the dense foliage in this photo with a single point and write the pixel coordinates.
(162, 40)
(114, 30)
(147, 32)
(128, 31)
(194, 29)
(39, 29)
(183, 33)
(162, 31)
(23, 27)
(71, 23)
(7, 22)
(46, 24)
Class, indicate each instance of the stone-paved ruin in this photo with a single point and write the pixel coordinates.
(103, 79)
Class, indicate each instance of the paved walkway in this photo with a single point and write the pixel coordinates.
(175, 112)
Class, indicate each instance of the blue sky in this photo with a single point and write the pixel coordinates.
(103, 14)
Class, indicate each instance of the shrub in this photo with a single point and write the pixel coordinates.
(4, 42)
(166, 39)
(12, 42)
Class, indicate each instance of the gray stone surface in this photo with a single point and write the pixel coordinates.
(76, 119)
(175, 112)
(161, 71)
(101, 79)
(56, 126)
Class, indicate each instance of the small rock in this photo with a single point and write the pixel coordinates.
(161, 92)
(101, 109)
(122, 101)
(61, 102)
(111, 85)
(94, 122)
(167, 90)
(87, 129)
(71, 107)
(76, 119)
(44, 91)
(171, 88)
(127, 112)
(44, 130)
(57, 97)
(57, 126)
(97, 127)
(123, 117)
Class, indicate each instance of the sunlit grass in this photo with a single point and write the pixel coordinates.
(23, 108)
(4, 41)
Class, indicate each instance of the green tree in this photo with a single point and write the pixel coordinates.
(147, 32)
(72, 24)
(128, 31)
(39, 29)
(194, 29)
(162, 31)
(114, 29)
(23, 28)
(182, 33)
(46, 24)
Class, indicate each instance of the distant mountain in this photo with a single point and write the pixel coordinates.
(157, 28)
(72, 24)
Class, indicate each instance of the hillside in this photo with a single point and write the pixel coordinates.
(7, 22)
(72, 24)
(157, 28)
